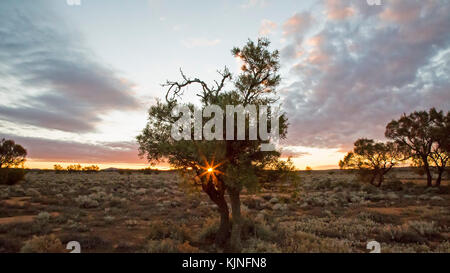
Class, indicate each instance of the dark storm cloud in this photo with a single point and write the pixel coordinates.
(41, 149)
(366, 66)
(38, 52)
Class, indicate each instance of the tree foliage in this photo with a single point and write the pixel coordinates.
(373, 159)
(11, 154)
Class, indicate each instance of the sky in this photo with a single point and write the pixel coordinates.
(76, 81)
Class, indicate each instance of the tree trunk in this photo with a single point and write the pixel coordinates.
(427, 171)
(223, 233)
(217, 195)
(380, 180)
(372, 179)
(439, 178)
(235, 241)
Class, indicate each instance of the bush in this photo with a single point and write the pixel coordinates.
(426, 229)
(255, 245)
(301, 242)
(43, 244)
(86, 202)
(170, 246)
(42, 219)
(400, 234)
(9, 245)
(11, 176)
(160, 230)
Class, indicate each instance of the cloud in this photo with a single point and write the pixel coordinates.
(51, 79)
(267, 27)
(338, 10)
(293, 152)
(200, 42)
(298, 24)
(47, 150)
(349, 78)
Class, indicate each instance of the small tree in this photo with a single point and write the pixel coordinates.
(74, 168)
(11, 154)
(219, 166)
(373, 159)
(91, 169)
(58, 168)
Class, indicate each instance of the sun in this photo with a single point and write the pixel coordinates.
(210, 170)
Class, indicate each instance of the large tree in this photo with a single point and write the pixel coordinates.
(425, 135)
(222, 164)
(440, 150)
(11, 154)
(373, 159)
(414, 132)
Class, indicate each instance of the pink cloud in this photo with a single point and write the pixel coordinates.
(338, 10)
(267, 27)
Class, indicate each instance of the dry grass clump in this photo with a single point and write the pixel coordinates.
(160, 230)
(43, 244)
(411, 232)
(168, 245)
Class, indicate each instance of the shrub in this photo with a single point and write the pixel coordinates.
(43, 244)
(160, 230)
(11, 176)
(301, 242)
(208, 230)
(87, 202)
(87, 242)
(9, 245)
(379, 217)
(169, 246)
(400, 234)
(255, 245)
(427, 229)
(43, 218)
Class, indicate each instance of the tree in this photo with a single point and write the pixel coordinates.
(58, 168)
(415, 134)
(440, 150)
(74, 168)
(425, 135)
(220, 165)
(372, 158)
(11, 154)
(91, 169)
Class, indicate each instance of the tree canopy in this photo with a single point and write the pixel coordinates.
(11, 154)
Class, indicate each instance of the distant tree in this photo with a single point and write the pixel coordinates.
(58, 168)
(219, 166)
(308, 169)
(373, 159)
(92, 168)
(11, 154)
(424, 135)
(74, 168)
